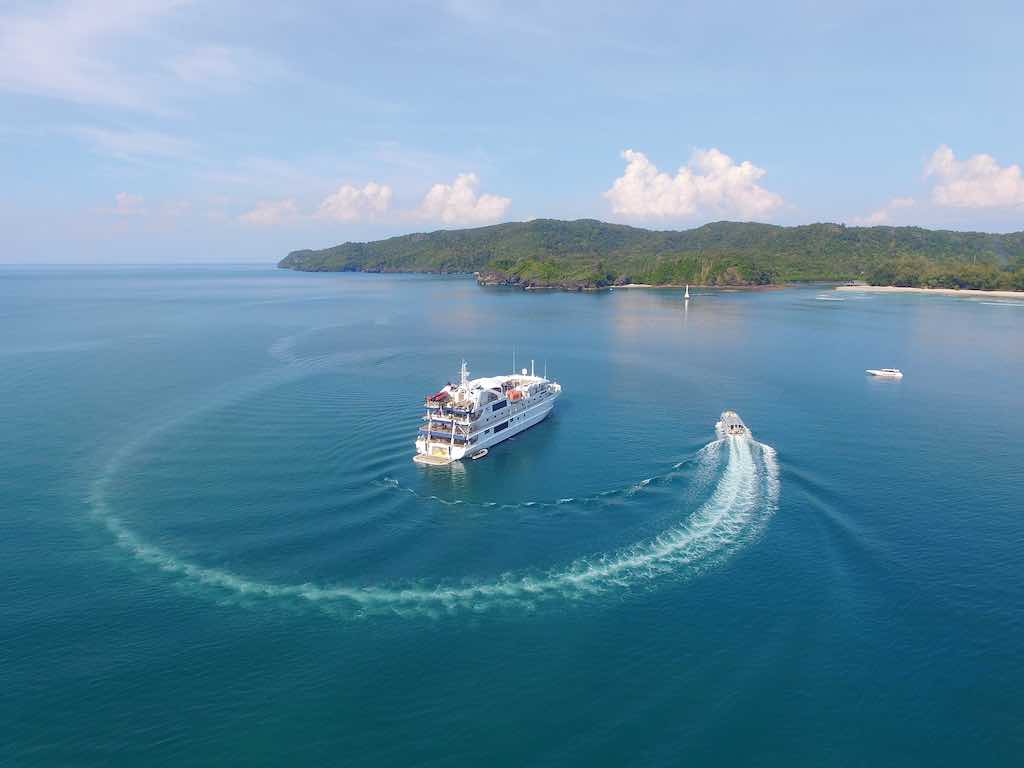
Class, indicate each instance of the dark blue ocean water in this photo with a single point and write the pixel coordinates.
(216, 550)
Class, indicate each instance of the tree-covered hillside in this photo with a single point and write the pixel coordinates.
(588, 253)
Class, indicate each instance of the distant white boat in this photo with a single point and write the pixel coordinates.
(886, 373)
(687, 294)
(479, 454)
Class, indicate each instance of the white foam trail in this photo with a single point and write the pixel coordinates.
(708, 459)
(771, 465)
(744, 498)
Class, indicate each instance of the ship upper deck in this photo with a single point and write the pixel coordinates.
(472, 394)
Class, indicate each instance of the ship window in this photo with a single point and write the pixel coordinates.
(500, 427)
(499, 406)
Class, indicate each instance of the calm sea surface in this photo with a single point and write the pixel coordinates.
(216, 550)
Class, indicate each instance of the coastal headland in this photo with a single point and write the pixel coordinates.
(587, 255)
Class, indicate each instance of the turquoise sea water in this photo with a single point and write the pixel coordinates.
(216, 550)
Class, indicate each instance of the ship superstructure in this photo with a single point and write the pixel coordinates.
(462, 419)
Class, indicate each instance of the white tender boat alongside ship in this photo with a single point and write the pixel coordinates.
(464, 420)
(886, 373)
(731, 425)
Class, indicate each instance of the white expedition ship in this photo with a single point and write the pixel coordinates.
(462, 420)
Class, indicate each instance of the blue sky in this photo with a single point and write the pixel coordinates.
(165, 130)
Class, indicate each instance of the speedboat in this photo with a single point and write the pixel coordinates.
(731, 425)
(479, 454)
(886, 373)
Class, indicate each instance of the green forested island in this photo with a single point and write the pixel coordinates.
(589, 254)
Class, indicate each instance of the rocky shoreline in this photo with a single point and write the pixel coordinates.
(506, 280)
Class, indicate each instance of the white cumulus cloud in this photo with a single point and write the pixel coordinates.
(271, 212)
(459, 202)
(351, 203)
(978, 182)
(884, 214)
(711, 183)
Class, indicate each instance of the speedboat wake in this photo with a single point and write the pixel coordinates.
(744, 497)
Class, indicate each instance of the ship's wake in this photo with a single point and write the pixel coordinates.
(744, 497)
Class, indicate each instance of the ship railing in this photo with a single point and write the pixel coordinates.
(464, 421)
(448, 408)
(442, 428)
(446, 436)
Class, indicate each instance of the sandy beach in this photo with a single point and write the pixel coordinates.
(938, 291)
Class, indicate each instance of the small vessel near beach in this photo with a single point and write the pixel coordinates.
(465, 419)
(885, 373)
(731, 425)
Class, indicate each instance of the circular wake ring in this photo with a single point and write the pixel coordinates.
(744, 498)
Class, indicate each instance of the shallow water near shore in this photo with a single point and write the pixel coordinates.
(216, 548)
